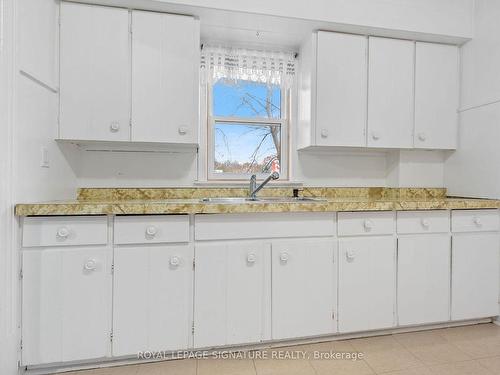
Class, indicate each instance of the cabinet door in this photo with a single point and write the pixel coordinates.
(341, 90)
(303, 288)
(474, 288)
(153, 294)
(95, 73)
(424, 279)
(232, 293)
(436, 96)
(165, 86)
(367, 281)
(66, 304)
(390, 93)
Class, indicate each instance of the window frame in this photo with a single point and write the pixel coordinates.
(283, 122)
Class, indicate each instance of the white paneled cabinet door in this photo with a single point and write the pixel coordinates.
(474, 275)
(303, 288)
(94, 73)
(341, 86)
(436, 96)
(66, 304)
(232, 293)
(424, 279)
(390, 93)
(152, 298)
(366, 283)
(165, 65)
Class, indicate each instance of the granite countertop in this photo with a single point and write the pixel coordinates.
(110, 201)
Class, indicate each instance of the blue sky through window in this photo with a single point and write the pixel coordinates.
(245, 148)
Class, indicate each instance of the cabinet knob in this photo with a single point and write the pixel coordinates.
(324, 133)
(422, 136)
(90, 265)
(350, 255)
(183, 130)
(114, 126)
(251, 258)
(368, 224)
(63, 233)
(284, 257)
(375, 136)
(175, 261)
(477, 221)
(151, 231)
(425, 223)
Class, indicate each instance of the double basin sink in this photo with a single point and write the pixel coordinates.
(240, 200)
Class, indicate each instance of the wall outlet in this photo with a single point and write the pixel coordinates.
(44, 157)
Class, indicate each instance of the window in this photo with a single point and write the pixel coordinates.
(247, 109)
(247, 129)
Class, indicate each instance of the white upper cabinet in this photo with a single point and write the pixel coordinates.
(95, 74)
(341, 90)
(436, 96)
(332, 90)
(390, 93)
(165, 84)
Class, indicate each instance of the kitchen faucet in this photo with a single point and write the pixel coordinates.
(254, 189)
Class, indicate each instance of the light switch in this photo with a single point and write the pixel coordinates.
(44, 157)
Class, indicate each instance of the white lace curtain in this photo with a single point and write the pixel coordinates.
(268, 67)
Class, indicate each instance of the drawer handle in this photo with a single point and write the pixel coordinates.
(63, 233)
(114, 126)
(90, 265)
(324, 133)
(477, 221)
(425, 223)
(183, 130)
(175, 261)
(151, 231)
(251, 258)
(350, 255)
(284, 257)
(375, 136)
(422, 137)
(368, 224)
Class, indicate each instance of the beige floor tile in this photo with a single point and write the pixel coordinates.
(479, 348)
(460, 368)
(492, 364)
(476, 331)
(411, 371)
(385, 354)
(341, 367)
(176, 367)
(225, 367)
(116, 370)
(283, 367)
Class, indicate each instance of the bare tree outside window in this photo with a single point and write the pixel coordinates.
(247, 127)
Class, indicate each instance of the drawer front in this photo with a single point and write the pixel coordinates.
(65, 231)
(365, 223)
(264, 225)
(474, 220)
(151, 229)
(434, 221)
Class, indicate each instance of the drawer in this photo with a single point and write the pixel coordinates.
(151, 229)
(65, 231)
(365, 223)
(434, 221)
(474, 220)
(264, 225)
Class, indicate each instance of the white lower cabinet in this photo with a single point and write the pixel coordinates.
(474, 276)
(424, 278)
(367, 275)
(303, 288)
(153, 298)
(66, 312)
(232, 293)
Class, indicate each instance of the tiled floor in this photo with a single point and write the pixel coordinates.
(471, 350)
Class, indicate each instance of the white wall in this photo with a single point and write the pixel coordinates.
(473, 169)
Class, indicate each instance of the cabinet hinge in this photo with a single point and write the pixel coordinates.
(20, 274)
(21, 344)
(111, 336)
(112, 269)
(333, 315)
(192, 328)
(194, 263)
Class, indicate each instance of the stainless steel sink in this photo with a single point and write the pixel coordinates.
(239, 200)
